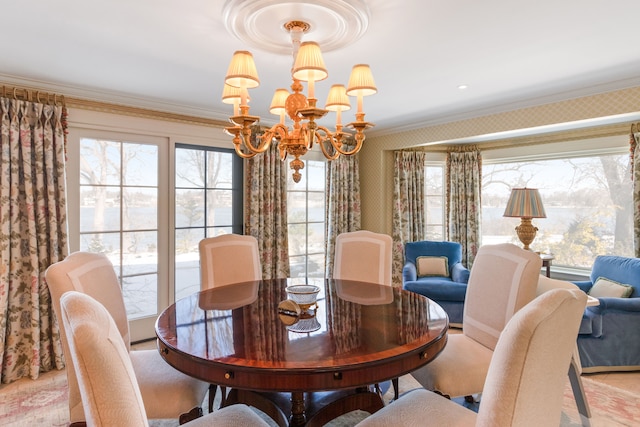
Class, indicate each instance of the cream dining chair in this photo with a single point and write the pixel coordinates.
(107, 380)
(166, 392)
(546, 284)
(365, 256)
(503, 279)
(526, 379)
(226, 260)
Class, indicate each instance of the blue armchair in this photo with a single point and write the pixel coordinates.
(609, 336)
(447, 290)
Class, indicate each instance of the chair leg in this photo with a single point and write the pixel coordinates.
(377, 389)
(212, 395)
(396, 388)
(190, 416)
(223, 393)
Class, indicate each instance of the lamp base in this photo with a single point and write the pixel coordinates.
(526, 232)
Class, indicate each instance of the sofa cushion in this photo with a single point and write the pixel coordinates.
(432, 266)
(605, 288)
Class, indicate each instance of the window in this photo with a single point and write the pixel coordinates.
(208, 202)
(306, 219)
(434, 200)
(588, 202)
(119, 215)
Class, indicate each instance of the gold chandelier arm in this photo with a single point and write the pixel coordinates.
(263, 142)
(279, 132)
(322, 141)
(349, 152)
(244, 155)
(335, 139)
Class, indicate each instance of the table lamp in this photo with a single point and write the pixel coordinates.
(525, 203)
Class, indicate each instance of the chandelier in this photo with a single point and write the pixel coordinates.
(295, 141)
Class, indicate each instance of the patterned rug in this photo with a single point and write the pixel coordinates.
(44, 403)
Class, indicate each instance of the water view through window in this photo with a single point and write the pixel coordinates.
(119, 215)
(305, 217)
(588, 201)
(208, 203)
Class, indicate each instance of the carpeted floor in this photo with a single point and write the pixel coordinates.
(43, 403)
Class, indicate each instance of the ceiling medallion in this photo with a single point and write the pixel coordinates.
(261, 23)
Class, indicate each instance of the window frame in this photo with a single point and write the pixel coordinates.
(316, 157)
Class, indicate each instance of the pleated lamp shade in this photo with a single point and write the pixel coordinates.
(242, 72)
(361, 81)
(337, 100)
(309, 65)
(525, 203)
(278, 101)
(231, 94)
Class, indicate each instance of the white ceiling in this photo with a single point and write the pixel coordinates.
(173, 55)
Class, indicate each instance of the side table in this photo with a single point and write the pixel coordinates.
(546, 262)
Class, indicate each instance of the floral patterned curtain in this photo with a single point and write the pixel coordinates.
(342, 209)
(408, 205)
(464, 188)
(634, 140)
(266, 213)
(33, 234)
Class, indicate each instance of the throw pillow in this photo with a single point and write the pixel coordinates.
(432, 266)
(604, 288)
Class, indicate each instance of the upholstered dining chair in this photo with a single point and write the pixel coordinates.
(107, 380)
(545, 284)
(226, 260)
(365, 256)
(526, 379)
(166, 392)
(503, 279)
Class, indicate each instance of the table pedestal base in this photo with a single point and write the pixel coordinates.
(313, 409)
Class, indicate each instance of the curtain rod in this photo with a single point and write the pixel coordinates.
(32, 95)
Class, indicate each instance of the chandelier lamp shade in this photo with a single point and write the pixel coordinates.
(525, 203)
(297, 140)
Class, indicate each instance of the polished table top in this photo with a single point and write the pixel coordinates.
(364, 334)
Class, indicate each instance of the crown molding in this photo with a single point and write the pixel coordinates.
(117, 103)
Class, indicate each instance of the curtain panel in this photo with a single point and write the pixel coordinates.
(342, 207)
(266, 213)
(408, 206)
(33, 234)
(634, 139)
(463, 201)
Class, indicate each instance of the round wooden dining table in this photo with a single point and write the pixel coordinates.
(306, 369)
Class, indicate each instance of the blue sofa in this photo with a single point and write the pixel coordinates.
(449, 291)
(609, 336)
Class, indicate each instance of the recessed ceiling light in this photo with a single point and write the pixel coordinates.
(463, 87)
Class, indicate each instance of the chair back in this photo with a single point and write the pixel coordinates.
(92, 274)
(363, 256)
(619, 269)
(107, 381)
(528, 371)
(452, 250)
(229, 259)
(503, 279)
